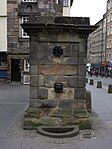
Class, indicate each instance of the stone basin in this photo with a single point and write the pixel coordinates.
(58, 131)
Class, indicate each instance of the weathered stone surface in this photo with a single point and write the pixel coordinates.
(68, 121)
(49, 80)
(70, 50)
(82, 47)
(35, 103)
(33, 113)
(79, 93)
(84, 123)
(82, 60)
(72, 104)
(72, 82)
(43, 93)
(34, 53)
(81, 113)
(67, 67)
(33, 93)
(63, 113)
(34, 69)
(34, 80)
(81, 81)
(63, 79)
(41, 80)
(59, 60)
(82, 70)
(48, 121)
(45, 53)
(67, 93)
(49, 103)
(58, 70)
(71, 61)
(72, 20)
(75, 47)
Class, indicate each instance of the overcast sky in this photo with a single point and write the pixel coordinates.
(89, 8)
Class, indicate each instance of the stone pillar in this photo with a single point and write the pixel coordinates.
(57, 71)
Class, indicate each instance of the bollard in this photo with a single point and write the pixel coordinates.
(88, 101)
(91, 82)
(110, 88)
(99, 84)
(86, 80)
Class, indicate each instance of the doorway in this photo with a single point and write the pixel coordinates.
(15, 70)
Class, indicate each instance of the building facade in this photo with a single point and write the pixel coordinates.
(66, 7)
(3, 40)
(96, 44)
(18, 12)
(109, 31)
(14, 43)
(100, 41)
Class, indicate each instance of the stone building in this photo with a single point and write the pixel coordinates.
(18, 11)
(109, 31)
(96, 44)
(66, 7)
(100, 41)
(58, 77)
(3, 40)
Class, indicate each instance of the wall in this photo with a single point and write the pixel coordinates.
(3, 25)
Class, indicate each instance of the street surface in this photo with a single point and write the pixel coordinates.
(13, 102)
(105, 81)
(103, 105)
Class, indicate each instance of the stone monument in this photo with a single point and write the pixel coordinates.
(58, 49)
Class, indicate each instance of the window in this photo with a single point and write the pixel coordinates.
(65, 3)
(29, 0)
(25, 20)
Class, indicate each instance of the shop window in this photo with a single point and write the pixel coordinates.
(25, 20)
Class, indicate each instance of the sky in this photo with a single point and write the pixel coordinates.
(94, 9)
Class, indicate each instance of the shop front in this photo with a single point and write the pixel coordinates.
(3, 66)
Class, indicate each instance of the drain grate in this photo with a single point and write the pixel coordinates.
(88, 135)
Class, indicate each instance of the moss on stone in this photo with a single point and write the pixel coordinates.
(83, 123)
(81, 113)
(47, 121)
(31, 122)
(67, 121)
(64, 113)
(33, 113)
